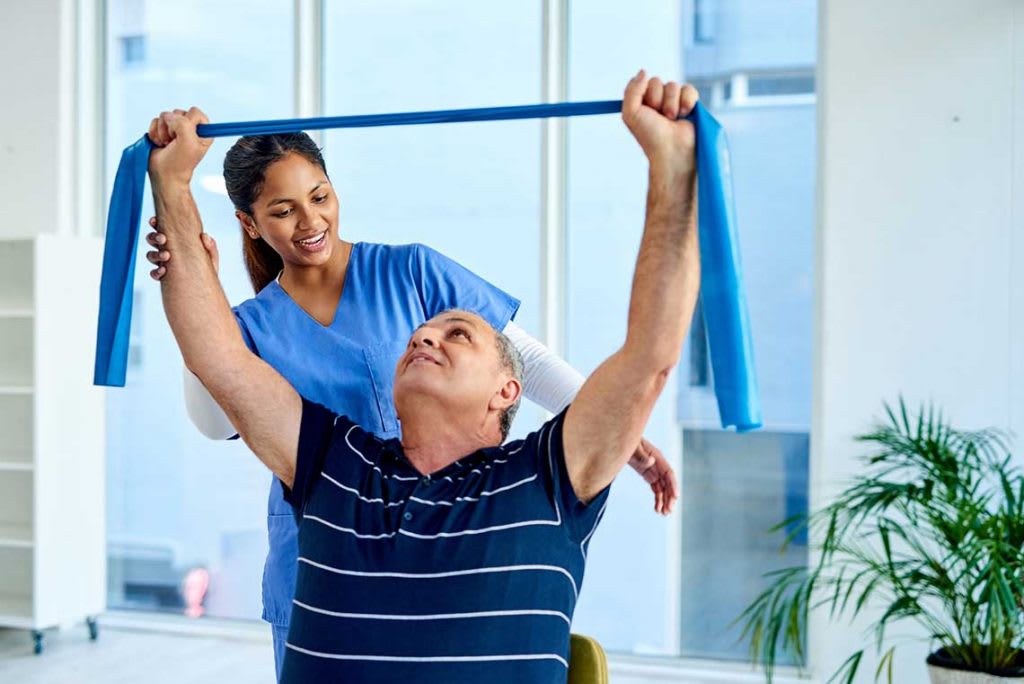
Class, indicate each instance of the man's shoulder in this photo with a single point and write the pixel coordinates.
(543, 441)
(345, 432)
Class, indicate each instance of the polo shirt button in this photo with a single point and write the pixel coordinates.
(427, 480)
(407, 515)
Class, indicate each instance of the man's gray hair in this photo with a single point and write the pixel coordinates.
(512, 361)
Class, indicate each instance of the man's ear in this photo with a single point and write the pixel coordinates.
(247, 224)
(507, 395)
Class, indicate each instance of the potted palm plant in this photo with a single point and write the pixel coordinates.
(932, 532)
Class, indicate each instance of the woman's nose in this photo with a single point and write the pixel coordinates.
(311, 219)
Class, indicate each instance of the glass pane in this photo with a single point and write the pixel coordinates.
(471, 191)
(737, 486)
(186, 516)
(630, 601)
(698, 569)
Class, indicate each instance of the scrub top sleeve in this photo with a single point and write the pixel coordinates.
(316, 433)
(445, 284)
(246, 337)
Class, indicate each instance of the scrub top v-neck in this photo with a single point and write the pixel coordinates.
(348, 365)
(337, 305)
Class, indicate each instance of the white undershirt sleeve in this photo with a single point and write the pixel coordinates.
(208, 417)
(547, 379)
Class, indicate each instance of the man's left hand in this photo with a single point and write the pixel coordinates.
(652, 110)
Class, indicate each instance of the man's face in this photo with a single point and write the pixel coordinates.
(454, 358)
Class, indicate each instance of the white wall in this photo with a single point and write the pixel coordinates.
(30, 50)
(921, 104)
(49, 171)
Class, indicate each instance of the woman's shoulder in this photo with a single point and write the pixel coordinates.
(259, 304)
(415, 258)
(392, 250)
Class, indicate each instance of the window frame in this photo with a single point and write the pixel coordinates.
(91, 165)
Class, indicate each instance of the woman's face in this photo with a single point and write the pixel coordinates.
(297, 212)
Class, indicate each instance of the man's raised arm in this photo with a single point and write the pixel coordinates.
(260, 403)
(607, 418)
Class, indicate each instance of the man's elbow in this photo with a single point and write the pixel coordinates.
(656, 361)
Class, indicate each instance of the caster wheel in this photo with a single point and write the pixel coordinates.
(94, 628)
(37, 639)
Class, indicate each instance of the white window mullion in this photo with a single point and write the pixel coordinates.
(554, 84)
(309, 56)
(88, 204)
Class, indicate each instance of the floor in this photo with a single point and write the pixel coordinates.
(121, 656)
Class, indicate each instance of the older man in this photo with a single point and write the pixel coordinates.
(445, 556)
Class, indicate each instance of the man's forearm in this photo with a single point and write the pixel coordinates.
(667, 277)
(194, 301)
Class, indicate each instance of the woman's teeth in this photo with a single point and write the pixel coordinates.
(313, 242)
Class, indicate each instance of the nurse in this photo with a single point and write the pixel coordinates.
(333, 316)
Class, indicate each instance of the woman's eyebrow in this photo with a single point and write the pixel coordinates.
(285, 199)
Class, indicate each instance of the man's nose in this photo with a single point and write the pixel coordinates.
(425, 337)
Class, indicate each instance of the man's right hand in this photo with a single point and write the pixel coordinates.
(178, 148)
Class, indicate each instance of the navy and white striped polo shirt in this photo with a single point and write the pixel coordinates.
(470, 574)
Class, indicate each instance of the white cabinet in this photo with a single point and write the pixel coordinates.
(52, 456)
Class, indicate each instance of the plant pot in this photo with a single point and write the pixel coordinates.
(944, 670)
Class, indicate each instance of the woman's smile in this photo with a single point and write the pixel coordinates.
(313, 244)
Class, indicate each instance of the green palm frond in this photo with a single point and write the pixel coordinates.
(931, 532)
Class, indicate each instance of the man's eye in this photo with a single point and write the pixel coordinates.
(459, 331)
(320, 199)
(283, 214)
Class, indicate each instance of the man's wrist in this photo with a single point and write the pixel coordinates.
(168, 185)
(672, 168)
(672, 180)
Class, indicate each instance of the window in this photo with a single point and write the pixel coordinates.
(770, 85)
(703, 21)
(736, 486)
(700, 568)
(178, 502)
(697, 350)
(181, 506)
(133, 49)
(607, 181)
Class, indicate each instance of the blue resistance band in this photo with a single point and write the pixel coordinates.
(725, 308)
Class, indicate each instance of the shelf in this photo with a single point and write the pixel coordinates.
(13, 312)
(16, 467)
(16, 390)
(16, 351)
(16, 611)
(15, 536)
(17, 274)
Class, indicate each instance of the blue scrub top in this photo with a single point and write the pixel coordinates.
(348, 366)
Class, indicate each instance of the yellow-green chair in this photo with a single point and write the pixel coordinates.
(587, 662)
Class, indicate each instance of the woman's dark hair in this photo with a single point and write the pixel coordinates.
(245, 168)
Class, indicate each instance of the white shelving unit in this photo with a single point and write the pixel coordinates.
(52, 482)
